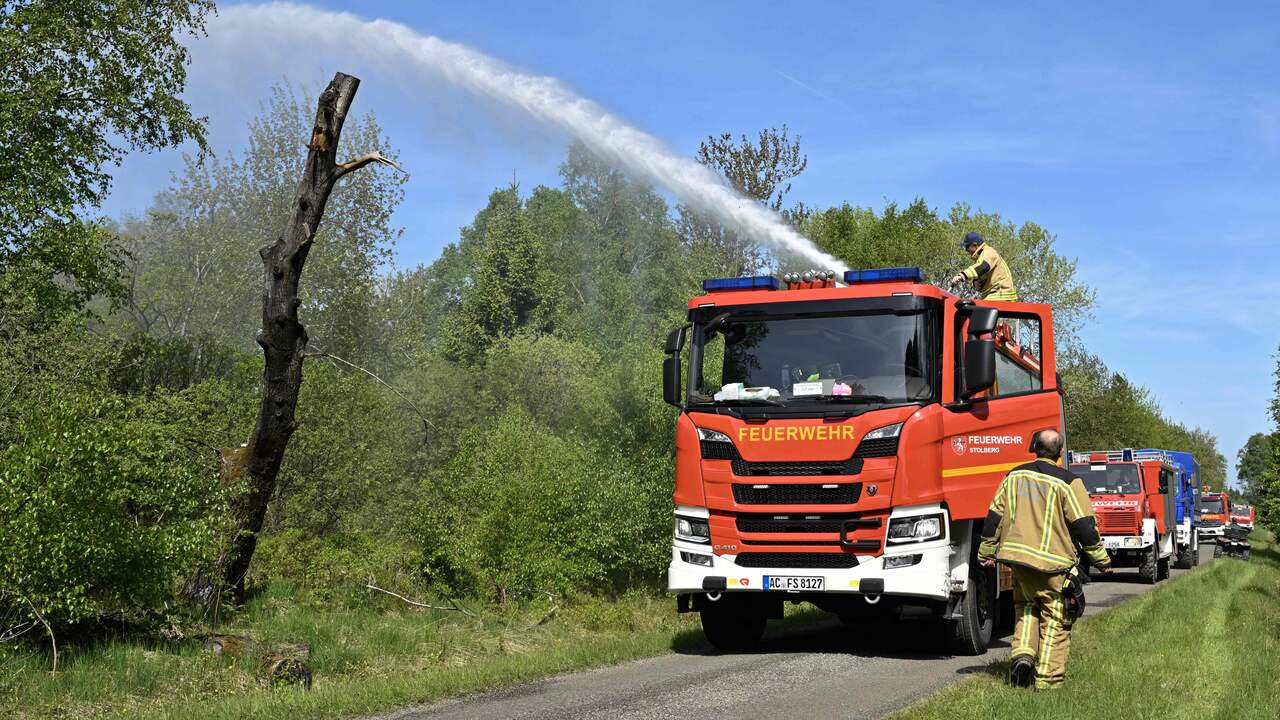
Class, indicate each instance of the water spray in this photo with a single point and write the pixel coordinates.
(541, 97)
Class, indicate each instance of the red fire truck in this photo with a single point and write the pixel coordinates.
(1242, 515)
(839, 444)
(1134, 497)
(1214, 512)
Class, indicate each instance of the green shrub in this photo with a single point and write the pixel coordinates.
(525, 510)
(331, 566)
(107, 507)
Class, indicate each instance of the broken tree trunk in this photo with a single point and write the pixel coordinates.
(283, 338)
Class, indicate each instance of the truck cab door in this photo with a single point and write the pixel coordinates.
(989, 433)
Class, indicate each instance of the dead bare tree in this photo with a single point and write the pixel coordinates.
(283, 338)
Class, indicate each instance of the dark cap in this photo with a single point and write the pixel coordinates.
(972, 238)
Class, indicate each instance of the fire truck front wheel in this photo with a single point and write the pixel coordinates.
(971, 632)
(1149, 570)
(732, 625)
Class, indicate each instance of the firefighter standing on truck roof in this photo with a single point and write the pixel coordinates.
(1040, 515)
(989, 271)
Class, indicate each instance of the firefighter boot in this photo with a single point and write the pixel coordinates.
(1023, 671)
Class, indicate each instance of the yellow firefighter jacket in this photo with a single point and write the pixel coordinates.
(1040, 515)
(991, 273)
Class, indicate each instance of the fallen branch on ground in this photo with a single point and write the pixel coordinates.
(453, 604)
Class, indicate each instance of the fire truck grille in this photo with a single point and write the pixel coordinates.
(832, 561)
(743, 468)
(801, 494)
(797, 523)
(880, 447)
(1118, 522)
(1210, 523)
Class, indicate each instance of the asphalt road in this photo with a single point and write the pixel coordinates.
(819, 670)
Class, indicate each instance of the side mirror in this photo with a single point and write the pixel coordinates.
(979, 366)
(982, 321)
(675, 341)
(671, 379)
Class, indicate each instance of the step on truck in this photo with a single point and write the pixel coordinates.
(1186, 471)
(1214, 513)
(840, 443)
(1133, 495)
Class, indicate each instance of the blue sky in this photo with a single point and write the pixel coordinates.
(1147, 140)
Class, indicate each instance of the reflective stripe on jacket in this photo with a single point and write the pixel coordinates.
(1041, 513)
(991, 273)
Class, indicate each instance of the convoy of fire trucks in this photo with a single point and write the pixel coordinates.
(839, 441)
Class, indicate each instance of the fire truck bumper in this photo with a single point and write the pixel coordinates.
(922, 571)
(1211, 531)
(1126, 542)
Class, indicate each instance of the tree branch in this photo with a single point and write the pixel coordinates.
(357, 163)
(52, 640)
(453, 604)
(426, 424)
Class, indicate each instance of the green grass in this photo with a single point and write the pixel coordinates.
(373, 656)
(1205, 646)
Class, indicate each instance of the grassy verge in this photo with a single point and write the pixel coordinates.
(1204, 646)
(366, 658)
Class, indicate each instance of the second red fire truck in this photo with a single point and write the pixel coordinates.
(1133, 495)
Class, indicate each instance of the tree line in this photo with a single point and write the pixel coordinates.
(488, 424)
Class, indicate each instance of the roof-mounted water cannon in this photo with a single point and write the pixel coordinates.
(809, 279)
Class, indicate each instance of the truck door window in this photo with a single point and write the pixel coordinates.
(1018, 367)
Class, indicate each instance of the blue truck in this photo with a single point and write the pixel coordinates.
(1187, 538)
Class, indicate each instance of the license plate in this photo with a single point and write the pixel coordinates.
(792, 583)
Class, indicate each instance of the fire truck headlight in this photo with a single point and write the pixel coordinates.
(915, 529)
(693, 529)
(888, 431)
(712, 436)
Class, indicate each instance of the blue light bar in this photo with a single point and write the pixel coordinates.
(913, 274)
(757, 282)
(1127, 454)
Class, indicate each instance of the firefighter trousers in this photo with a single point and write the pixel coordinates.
(1043, 632)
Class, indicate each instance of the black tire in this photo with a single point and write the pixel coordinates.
(1195, 550)
(1162, 569)
(1184, 558)
(1217, 551)
(731, 626)
(1149, 570)
(979, 613)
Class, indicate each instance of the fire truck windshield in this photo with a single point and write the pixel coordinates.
(1239, 509)
(1109, 479)
(816, 360)
(1211, 506)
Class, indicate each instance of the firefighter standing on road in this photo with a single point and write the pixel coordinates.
(989, 271)
(1040, 515)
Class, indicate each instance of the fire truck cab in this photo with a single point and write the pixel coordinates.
(1133, 497)
(840, 443)
(1214, 513)
(1242, 515)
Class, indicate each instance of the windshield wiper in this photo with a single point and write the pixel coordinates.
(855, 398)
(741, 401)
